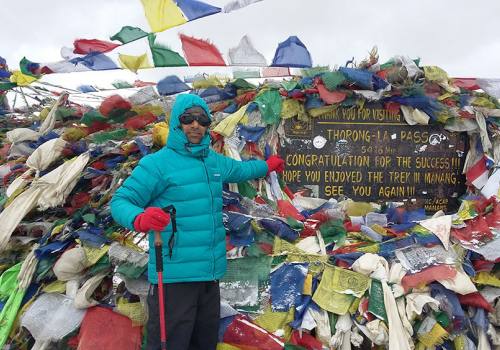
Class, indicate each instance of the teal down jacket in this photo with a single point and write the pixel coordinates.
(189, 177)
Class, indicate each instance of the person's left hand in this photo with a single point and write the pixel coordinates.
(275, 163)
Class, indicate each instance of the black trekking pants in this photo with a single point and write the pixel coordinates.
(192, 312)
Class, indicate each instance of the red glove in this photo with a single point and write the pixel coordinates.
(151, 219)
(275, 163)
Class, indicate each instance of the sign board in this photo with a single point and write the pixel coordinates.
(372, 154)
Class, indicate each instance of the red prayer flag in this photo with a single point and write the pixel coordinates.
(200, 52)
(86, 46)
(475, 299)
(466, 83)
(478, 173)
(330, 97)
(428, 275)
(140, 83)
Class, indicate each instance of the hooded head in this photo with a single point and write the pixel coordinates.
(177, 138)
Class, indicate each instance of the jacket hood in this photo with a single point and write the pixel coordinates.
(177, 140)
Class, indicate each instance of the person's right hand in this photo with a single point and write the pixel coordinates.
(152, 218)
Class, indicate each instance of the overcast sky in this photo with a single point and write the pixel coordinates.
(460, 36)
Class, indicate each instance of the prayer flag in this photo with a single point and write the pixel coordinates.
(95, 61)
(86, 46)
(246, 55)
(490, 86)
(238, 4)
(134, 63)
(200, 52)
(194, 9)
(29, 68)
(128, 34)
(22, 79)
(292, 53)
(162, 14)
(478, 173)
(171, 85)
(163, 56)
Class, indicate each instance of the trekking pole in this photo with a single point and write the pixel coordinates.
(159, 270)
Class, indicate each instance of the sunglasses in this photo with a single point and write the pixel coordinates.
(188, 118)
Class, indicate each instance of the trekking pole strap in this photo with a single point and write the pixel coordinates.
(171, 210)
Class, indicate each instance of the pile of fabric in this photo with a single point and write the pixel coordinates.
(303, 272)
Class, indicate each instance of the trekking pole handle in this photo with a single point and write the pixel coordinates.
(159, 241)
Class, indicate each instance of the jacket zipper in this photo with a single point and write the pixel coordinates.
(212, 215)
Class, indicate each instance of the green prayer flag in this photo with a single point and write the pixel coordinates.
(332, 79)
(387, 64)
(130, 270)
(121, 84)
(92, 116)
(26, 67)
(248, 269)
(7, 86)
(442, 318)
(333, 231)
(289, 85)
(128, 34)
(163, 56)
(295, 224)
(312, 72)
(13, 295)
(102, 137)
(376, 304)
(270, 105)
(64, 112)
(243, 74)
(90, 218)
(247, 190)
(243, 84)
(101, 265)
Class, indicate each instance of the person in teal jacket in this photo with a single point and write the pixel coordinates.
(188, 175)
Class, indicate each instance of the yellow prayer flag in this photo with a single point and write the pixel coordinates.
(487, 279)
(459, 342)
(435, 337)
(21, 79)
(224, 346)
(483, 102)
(227, 125)
(55, 287)
(162, 14)
(282, 247)
(293, 108)
(445, 96)
(439, 76)
(277, 320)
(335, 282)
(134, 311)
(134, 63)
(434, 73)
(307, 290)
(210, 81)
(160, 133)
(94, 254)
